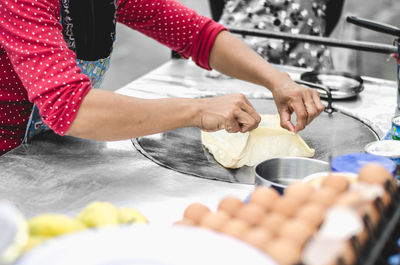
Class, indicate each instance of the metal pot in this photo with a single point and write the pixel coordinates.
(280, 172)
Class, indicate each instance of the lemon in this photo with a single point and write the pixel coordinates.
(49, 225)
(130, 215)
(99, 214)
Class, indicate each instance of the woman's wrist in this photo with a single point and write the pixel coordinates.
(277, 80)
(193, 111)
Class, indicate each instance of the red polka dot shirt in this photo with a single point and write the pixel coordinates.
(37, 67)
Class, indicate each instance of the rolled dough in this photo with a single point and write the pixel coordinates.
(269, 140)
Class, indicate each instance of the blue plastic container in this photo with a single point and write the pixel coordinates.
(354, 162)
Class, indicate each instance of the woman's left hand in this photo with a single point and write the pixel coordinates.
(291, 97)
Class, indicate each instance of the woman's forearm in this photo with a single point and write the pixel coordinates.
(104, 115)
(232, 57)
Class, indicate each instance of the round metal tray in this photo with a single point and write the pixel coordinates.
(342, 85)
(181, 150)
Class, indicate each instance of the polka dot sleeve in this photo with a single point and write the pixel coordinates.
(31, 36)
(173, 25)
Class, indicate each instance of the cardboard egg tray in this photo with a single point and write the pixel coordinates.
(382, 242)
(373, 245)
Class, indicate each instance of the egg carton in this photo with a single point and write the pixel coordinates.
(383, 240)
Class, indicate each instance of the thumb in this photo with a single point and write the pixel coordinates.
(285, 120)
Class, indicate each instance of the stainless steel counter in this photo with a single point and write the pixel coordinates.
(63, 174)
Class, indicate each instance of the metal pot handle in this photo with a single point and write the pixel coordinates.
(373, 25)
(328, 108)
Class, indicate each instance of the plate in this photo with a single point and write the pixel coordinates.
(317, 178)
(145, 245)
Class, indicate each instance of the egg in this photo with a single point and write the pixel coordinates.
(215, 220)
(299, 190)
(324, 196)
(264, 197)
(284, 251)
(348, 256)
(364, 208)
(297, 230)
(362, 237)
(339, 183)
(341, 222)
(195, 212)
(313, 213)
(286, 206)
(355, 200)
(322, 250)
(374, 173)
(251, 213)
(258, 237)
(236, 228)
(230, 205)
(185, 221)
(350, 198)
(272, 221)
(385, 199)
(373, 196)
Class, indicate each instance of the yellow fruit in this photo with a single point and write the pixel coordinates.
(49, 225)
(129, 215)
(34, 241)
(99, 214)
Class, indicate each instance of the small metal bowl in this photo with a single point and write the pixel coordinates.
(280, 172)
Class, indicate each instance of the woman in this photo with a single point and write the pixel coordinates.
(307, 17)
(53, 54)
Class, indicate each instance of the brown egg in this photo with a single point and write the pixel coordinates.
(185, 221)
(264, 197)
(195, 212)
(339, 183)
(215, 220)
(230, 205)
(364, 208)
(236, 228)
(284, 251)
(313, 213)
(251, 213)
(286, 206)
(348, 256)
(299, 190)
(297, 229)
(272, 221)
(362, 237)
(369, 213)
(258, 237)
(324, 196)
(349, 198)
(374, 173)
(323, 250)
(386, 199)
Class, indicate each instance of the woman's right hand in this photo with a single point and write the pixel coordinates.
(234, 113)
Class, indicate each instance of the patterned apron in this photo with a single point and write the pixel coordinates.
(94, 14)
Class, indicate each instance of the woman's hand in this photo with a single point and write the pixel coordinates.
(232, 57)
(234, 113)
(290, 97)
